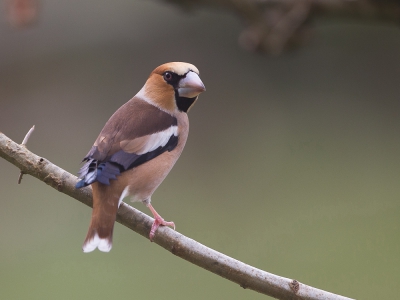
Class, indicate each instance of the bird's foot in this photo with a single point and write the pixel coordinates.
(158, 220)
(156, 224)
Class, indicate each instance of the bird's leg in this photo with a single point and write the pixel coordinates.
(158, 220)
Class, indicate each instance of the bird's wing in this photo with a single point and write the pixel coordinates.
(137, 132)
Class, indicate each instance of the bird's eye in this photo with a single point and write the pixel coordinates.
(167, 76)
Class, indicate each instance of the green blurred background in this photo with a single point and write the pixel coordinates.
(292, 163)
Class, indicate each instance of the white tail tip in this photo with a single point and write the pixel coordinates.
(104, 245)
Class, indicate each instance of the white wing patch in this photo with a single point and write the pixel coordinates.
(148, 143)
(159, 139)
(104, 245)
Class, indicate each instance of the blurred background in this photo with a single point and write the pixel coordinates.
(292, 163)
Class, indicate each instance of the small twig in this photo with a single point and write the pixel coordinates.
(234, 270)
(20, 177)
(26, 138)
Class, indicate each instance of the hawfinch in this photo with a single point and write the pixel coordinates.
(138, 147)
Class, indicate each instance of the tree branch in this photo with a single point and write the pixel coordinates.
(274, 26)
(244, 275)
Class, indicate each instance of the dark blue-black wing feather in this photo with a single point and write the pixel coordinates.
(121, 161)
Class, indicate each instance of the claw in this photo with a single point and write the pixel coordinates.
(158, 220)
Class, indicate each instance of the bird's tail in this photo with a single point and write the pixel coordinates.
(101, 226)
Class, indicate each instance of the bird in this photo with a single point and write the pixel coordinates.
(137, 148)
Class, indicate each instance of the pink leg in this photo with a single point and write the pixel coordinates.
(158, 220)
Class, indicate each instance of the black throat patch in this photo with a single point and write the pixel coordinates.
(183, 103)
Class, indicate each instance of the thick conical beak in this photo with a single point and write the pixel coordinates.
(190, 86)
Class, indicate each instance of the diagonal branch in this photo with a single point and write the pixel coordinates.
(244, 275)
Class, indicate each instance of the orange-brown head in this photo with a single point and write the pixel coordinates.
(173, 86)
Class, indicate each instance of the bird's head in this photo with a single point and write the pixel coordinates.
(173, 86)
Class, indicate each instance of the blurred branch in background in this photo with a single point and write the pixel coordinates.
(245, 275)
(274, 26)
